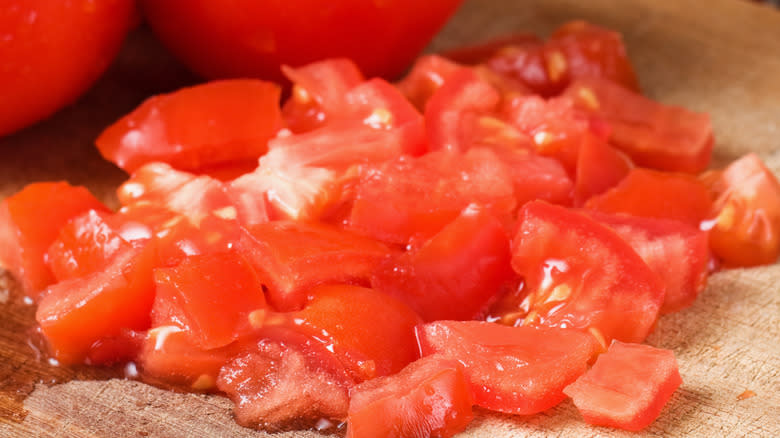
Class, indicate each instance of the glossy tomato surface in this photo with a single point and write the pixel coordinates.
(252, 39)
(52, 51)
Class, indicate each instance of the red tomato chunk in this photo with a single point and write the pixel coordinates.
(627, 387)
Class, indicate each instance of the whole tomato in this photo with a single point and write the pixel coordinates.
(51, 51)
(239, 38)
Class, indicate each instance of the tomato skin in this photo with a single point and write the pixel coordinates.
(627, 387)
(652, 193)
(517, 370)
(654, 135)
(30, 221)
(746, 231)
(53, 52)
(464, 264)
(76, 313)
(430, 397)
(250, 39)
(203, 126)
(579, 273)
(599, 168)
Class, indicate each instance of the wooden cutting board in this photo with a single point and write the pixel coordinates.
(719, 56)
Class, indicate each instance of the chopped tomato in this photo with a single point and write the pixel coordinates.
(418, 196)
(652, 193)
(181, 238)
(76, 313)
(627, 387)
(517, 370)
(318, 92)
(291, 257)
(199, 127)
(430, 397)
(483, 52)
(30, 221)
(210, 295)
(285, 380)
(465, 264)
(653, 134)
(139, 221)
(84, 245)
(121, 348)
(599, 168)
(746, 230)
(658, 241)
(454, 108)
(575, 50)
(371, 333)
(579, 273)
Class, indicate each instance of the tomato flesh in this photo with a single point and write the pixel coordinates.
(30, 221)
(517, 370)
(430, 397)
(465, 264)
(627, 387)
(746, 231)
(579, 273)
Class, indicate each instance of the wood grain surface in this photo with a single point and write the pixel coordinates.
(719, 56)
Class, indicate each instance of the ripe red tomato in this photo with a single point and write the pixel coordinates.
(249, 38)
(52, 51)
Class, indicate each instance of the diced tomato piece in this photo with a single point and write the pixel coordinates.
(371, 333)
(210, 295)
(652, 193)
(430, 397)
(379, 104)
(658, 241)
(518, 370)
(537, 177)
(182, 192)
(599, 168)
(746, 231)
(168, 355)
(482, 52)
(575, 50)
(318, 92)
(465, 265)
(454, 108)
(30, 221)
(426, 76)
(199, 127)
(419, 196)
(579, 273)
(76, 313)
(84, 245)
(286, 380)
(627, 387)
(291, 257)
(557, 128)
(653, 134)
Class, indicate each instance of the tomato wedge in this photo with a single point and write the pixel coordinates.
(199, 127)
(746, 231)
(627, 387)
(430, 397)
(579, 273)
(517, 370)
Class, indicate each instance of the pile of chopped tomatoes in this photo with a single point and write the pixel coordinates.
(501, 228)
